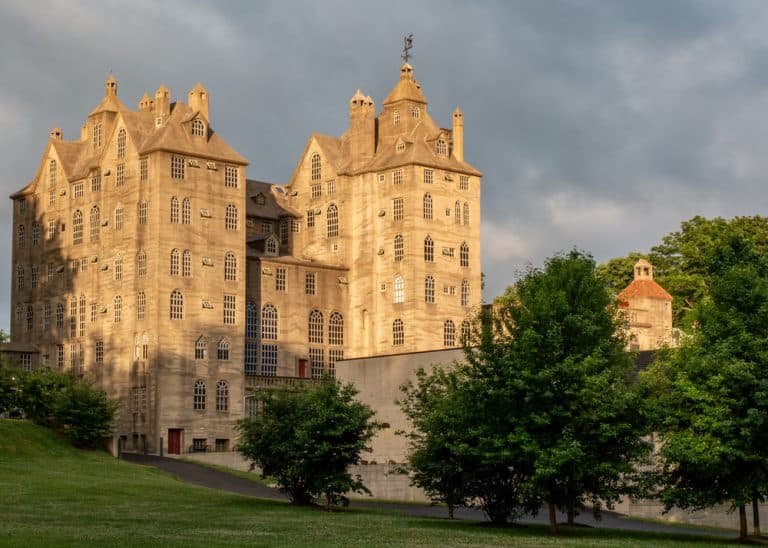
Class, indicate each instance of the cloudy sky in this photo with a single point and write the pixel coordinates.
(598, 124)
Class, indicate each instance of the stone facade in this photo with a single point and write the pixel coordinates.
(144, 259)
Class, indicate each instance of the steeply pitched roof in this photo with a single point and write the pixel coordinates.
(274, 206)
(643, 288)
(407, 89)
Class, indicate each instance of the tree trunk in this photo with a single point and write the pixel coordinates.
(552, 518)
(450, 511)
(571, 513)
(742, 522)
(756, 517)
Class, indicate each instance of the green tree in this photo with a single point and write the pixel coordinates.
(712, 392)
(306, 438)
(84, 414)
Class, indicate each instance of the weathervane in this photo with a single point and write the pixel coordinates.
(407, 45)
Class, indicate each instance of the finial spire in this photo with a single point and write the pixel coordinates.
(407, 45)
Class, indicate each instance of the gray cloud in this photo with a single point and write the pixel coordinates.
(598, 124)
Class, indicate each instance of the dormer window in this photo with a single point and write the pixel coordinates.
(270, 247)
(98, 135)
(316, 173)
(198, 127)
(396, 117)
(121, 143)
(260, 199)
(442, 147)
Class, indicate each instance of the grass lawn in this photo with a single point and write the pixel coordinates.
(52, 495)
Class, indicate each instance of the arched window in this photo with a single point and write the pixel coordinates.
(141, 305)
(449, 333)
(186, 263)
(174, 209)
(399, 289)
(21, 237)
(465, 332)
(428, 206)
(52, 173)
(141, 263)
(19, 277)
(230, 219)
(201, 348)
(429, 289)
(399, 247)
(230, 267)
(415, 112)
(222, 350)
(143, 212)
(464, 293)
(36, 232)
(429, 249)
(333, 221)
(174, 262)
(77, 227)
(118, 308)
(177, 305)
(398, 332)
(199, 397)
(271, 246)
(30, 317)
(457, 213)
(269, 322)
(464, 254)
(186, 212)
(442, 147)
(60, 315)
(222, 396)
(466, 213)
(396, 117)
(118, 267)
(316, 327)
(121, 143)
(336, 329)
(95, 220)
(316, 171)
(198, 127)
(119, 217)
(251, 320)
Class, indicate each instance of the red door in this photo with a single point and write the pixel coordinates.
(302, 368)
(174, 441)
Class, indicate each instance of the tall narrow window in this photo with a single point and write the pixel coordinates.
(284, 232)
(230, 267)
(118, 308)
(428, 206)
(141, 305)
(457, 213)
(429, 176)
(280, 279)
(143, 212)
(315, 327)
(144, 346)
(198, 128)
(46, 315)
(174, 209)
(398, 332)
(396, 117)
(251, 320)
(21, 235)
(466, 213)
(464, 182)
(143, 168)
(141, 263)
(222, 396)
(82, 315)
(222, 350)
(36, 232)
(269, 360)
(333, 221)
(120, 175)
(465, 332)
(442, 147)
(201, 348)
(399, 289)
(121, 143)
(174, 262)
(186, 212)
(398, 209)
(449, 333)
(52, 173)
(186, 263)
(95, 223)
(229, 309)
(316, 170)
(397, 176)
(269, 322)
(230, 177)
(464, 254)
(429, 249)
(309, 283)
(177, 305)
(415, 112)
(429, 289)
(77, 227)
(30, 317)
(399, 247)
(230, 219)
(317, 362)
(336, 329)
(199, 395)
(119, 217)
(270, 246)
(464, 293)
(59, 315)
(95, 181)
(177, 167)
(118, 267)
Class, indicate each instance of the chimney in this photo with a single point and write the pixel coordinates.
(198, 101)
(162, 103)
(458, 135)
(362, 128)
(56, 134)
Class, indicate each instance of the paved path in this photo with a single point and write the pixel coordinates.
(208, 477)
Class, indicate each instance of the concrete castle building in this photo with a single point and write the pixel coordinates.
(649, 310)
(144, 259)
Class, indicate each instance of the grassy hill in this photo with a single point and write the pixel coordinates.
(54, 495)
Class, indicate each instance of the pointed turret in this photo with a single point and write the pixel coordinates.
(458, 135)
(407, 89)
(198, 100)
(110, 86)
